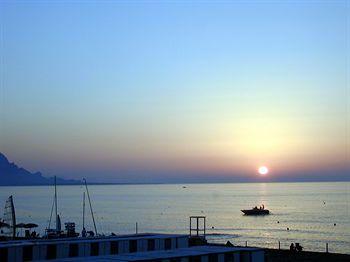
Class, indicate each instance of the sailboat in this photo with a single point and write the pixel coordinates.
(57, 231)
(9, 220)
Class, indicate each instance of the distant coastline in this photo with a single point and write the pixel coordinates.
(12, 175)
(175, 183)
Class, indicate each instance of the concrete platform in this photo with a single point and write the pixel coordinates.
(48, 249)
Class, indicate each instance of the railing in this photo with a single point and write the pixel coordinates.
(280, 245)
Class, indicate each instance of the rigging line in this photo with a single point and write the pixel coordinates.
(92, 213)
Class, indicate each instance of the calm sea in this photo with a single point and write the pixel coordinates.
(315, 213)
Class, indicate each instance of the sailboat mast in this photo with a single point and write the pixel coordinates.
(92, 213)
(56, 204)
(83, 209)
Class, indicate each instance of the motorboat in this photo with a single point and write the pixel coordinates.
(256, 211)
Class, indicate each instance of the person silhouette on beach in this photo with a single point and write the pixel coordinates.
(292, 248)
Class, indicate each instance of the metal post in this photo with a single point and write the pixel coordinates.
(279, 245)
(246, 243)
(204, 227)
(197, 226)
(136, 228)
(326, 247)
(190, 226)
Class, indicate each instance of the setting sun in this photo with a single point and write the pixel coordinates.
(263, 170)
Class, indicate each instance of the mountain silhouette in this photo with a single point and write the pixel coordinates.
(12, 175)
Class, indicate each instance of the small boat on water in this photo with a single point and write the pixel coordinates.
(256, 211)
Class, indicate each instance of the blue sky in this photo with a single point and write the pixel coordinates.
(164, 91)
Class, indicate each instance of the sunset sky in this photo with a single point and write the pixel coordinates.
(176, 91)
